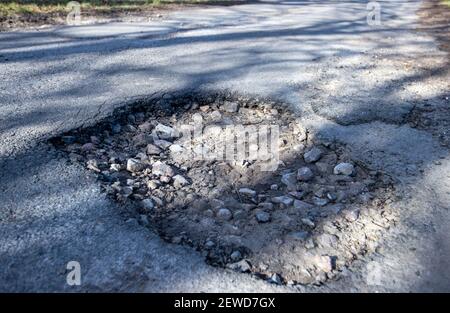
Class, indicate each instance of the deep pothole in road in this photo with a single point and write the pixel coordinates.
(240, 180)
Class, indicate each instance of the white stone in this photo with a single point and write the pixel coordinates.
(161, 169)
(179, 181)
(216, 116)
(116, 167)
(351, 215)
(247, 192)
(165, 132)
(176, 148)
(344, 169)
(134, 165)
(285, 200)
(276, 279)
(241, 266)
(308, 222)
(323, 263)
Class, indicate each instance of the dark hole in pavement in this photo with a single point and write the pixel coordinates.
(303, 222)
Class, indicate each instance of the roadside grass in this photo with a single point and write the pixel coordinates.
(446, 2)
(18, 7)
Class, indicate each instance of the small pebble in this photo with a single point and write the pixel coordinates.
(285, 200)
(134, 165)
(344, 169)
(276, 279)
(230, 107)
(312, 155)
(153, 150)
(161, 169)
(148, 204)
(116, 167)
(236, 256)
(165, 132)
(262, 217)
(241, 266)
(304, 174)
(179, 181)
(224, 214)
(308, 222)
(351, 215)
(247, 192)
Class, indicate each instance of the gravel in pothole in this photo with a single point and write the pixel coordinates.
(303, 223)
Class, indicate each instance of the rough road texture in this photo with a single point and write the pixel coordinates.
(350, 82)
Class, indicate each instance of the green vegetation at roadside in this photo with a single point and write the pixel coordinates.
(14, 7)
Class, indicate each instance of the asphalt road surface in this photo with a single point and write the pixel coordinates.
(348, 80)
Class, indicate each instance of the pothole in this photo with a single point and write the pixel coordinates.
(240, 180)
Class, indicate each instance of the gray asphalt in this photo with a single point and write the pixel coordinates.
(348, 80)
